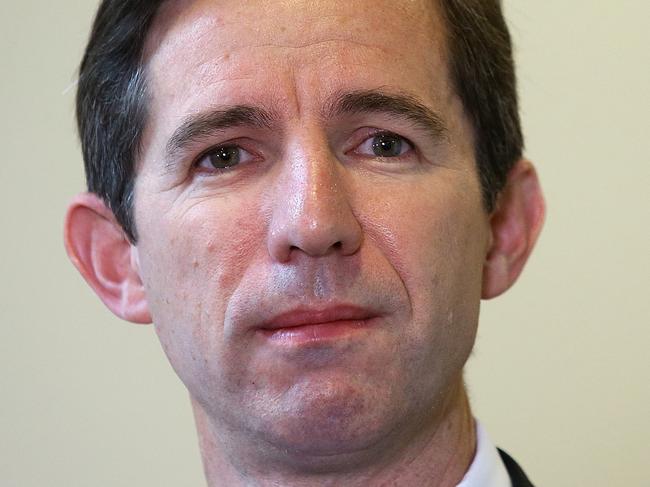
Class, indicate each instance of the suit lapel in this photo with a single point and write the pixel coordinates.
(517, 475)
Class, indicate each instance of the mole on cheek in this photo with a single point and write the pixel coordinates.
(237, 247)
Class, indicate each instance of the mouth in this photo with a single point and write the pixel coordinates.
(309, 325)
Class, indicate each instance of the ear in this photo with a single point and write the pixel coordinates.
(515, 225)
(101, 252)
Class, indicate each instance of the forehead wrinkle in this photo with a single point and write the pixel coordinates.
(184, 18)
(320, 43)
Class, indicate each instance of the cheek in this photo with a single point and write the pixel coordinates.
(435, 239)
(192, 260)
(203, 247)
(436, 243)
(232, 248)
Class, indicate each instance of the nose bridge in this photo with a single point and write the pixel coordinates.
(312, 209)
(316, 189)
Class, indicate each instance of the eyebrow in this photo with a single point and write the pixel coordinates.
(203, 125)
(391, 104)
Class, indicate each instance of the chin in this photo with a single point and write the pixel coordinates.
(329, 422)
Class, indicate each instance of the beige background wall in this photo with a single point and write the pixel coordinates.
(560, 371)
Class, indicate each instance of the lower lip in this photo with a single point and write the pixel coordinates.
(315, 333)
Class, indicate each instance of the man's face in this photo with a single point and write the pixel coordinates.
(341, 189)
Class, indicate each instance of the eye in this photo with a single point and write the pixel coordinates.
(223, 157)
(385, 144)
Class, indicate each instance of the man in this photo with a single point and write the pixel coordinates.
(309, 199)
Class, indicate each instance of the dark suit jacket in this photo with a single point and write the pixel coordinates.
(517, 475)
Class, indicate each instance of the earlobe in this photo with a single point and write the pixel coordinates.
(515, 225)
(100, 250)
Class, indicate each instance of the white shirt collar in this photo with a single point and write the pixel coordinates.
(487, 469)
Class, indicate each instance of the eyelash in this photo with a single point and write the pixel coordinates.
(222, 147)
(367, 138)
(376, 133)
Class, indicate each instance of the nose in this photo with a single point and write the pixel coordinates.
(311, 208)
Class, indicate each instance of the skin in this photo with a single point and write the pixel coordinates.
(311, 217)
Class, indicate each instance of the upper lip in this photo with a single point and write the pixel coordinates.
(304, 316)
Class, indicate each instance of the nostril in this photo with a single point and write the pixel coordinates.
(336, 246)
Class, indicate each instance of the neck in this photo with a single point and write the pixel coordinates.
(436, 454)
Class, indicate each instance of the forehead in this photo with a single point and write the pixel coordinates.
(205, 52)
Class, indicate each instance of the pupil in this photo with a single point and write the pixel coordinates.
(225, 157)
(387, 146)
